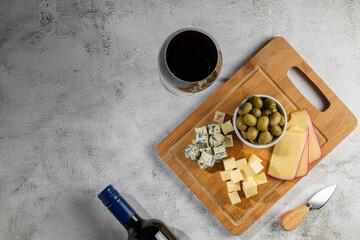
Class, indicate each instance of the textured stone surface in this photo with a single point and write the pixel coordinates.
(81, 106)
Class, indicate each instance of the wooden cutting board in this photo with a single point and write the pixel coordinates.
(265, 73)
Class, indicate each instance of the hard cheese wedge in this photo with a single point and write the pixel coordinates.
(302, 119)
(304, 162)
(287, 154)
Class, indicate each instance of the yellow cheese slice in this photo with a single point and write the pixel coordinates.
(287, 154)
(302, 119)
(304, 162)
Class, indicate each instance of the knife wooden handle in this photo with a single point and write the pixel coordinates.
(291, 219)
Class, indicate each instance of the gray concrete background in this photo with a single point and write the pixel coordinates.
(81, 106)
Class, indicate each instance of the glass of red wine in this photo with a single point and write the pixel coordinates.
(189, 61)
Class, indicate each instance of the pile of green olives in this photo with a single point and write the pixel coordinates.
(259, 120)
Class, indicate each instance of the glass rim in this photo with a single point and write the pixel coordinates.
(174, 34)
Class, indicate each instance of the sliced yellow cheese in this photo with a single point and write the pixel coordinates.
(304, 162)
(302, 119)
(234, 198)
(287, 154)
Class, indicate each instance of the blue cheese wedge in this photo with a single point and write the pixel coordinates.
(227, 127)
(216, 140)
(202, 140)
(219, 117)
(228, 141)
(206, 160)
(202, 130)
(192, 152)
(214, 128)
(219, 153)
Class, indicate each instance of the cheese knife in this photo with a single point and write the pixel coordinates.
(291, 219)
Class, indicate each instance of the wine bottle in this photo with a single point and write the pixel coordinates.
(137, 227)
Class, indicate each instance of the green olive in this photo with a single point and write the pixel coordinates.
(254, 141)
(266, 112)
(269, 103)
(265, 137)
(263, 123)
(240, 123)
(245, 108)
(275, 118)
(282, 121)
(250, 120)
(273, 110)
(252, 133)
(275, 130)
(243, 134)
(256, 112)
(257, 102)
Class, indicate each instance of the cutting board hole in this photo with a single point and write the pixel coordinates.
(309, 90)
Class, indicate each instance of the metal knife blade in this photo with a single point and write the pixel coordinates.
(321, 197)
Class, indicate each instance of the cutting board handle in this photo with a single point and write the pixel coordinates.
(319, 85)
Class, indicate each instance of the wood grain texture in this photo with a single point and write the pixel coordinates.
(265, 73)
(291, 219)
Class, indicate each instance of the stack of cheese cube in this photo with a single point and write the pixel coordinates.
(247, 172)
(210, 143)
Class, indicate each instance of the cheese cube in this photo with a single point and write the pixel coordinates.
(228, 141)
(234, 198)
(214, 128)
(229, 163)
(216, 140)
(249, 188)
(219, 117)
(233, 186)
(202, 140)
(260, 178)
(207, 159)
(207, 150)
(236, 176)
(192, 152)
(225, 175)
(253, 157)
(241, 164)
(202, 130)
(220, 153)
(253, 168)
(227, 127)
(246, 179)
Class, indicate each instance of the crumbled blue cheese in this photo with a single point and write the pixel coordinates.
(219, 117)
(220, 153)
(214, 128)
(227, 127)
(202, 130)
(228, 141)
(192, 152)
(216, 140)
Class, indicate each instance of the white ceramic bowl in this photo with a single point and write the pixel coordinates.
(276, 139)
